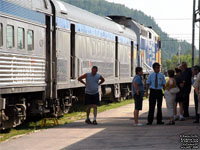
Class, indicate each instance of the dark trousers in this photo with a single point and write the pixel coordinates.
(196, 105)
(155, 96)
(186, 102)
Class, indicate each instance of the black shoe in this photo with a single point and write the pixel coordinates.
(186, 115)
(149, 123)
(88, 121)
(94, 122)
(160, 123)
(196, 121)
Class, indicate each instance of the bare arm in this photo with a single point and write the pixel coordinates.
(196, 91)
(163, 87)
(80, 79)
(137, 88)
(196, 84)
(147, 88)
(102, 80)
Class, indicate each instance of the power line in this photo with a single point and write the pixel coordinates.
(178, 40)
(178, 34)
(181, 19)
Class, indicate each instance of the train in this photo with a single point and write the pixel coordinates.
(148, 42)
(45, 45)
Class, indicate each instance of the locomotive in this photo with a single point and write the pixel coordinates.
(45, 45)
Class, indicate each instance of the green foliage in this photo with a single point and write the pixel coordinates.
(104, 8)
(173, 62)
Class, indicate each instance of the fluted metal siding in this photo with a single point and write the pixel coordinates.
(21, 70)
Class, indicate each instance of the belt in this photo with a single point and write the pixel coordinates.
(156, 89)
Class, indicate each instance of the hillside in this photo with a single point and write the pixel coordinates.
(104, 8)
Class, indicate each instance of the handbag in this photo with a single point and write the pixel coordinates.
(174, 90)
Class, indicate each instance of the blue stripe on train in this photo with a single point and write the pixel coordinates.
(64, 23)
(18, 11)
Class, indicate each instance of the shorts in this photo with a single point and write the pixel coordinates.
(138, 101)
(92, 99)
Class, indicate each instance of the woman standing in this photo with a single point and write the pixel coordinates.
(179, 95)
(170, 97)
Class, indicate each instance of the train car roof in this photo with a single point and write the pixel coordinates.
(154, 32)
(155, 36)
(77, 15)
(42, 6)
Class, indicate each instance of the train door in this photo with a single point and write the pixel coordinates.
(132, 56)
(48, 57)
(73, 53)
(116, 58)
(50, 49)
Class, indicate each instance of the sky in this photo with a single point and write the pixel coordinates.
(173, 16)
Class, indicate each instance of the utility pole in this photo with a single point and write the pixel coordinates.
(194, 20)
(199, 30)
(193, 31)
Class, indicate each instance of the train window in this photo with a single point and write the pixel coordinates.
(1, 35)
(30, 40)
(10, 36)
(20, 38)
(149, 35)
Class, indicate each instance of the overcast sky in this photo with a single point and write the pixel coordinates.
(173, 16)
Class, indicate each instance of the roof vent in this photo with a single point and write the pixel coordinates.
(120, 28)
(108, 18)
(63, 9)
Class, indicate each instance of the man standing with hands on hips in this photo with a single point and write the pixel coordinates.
(91, 92)
(156, 82)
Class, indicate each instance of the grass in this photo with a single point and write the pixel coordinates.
(77, 113)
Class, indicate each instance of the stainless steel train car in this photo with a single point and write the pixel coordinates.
(148, 42)
(45, 45)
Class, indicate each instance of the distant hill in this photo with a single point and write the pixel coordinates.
(104, 8)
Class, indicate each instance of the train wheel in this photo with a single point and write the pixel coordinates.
(66, 110)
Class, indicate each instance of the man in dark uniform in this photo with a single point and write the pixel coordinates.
(156, 82)
(187, 79)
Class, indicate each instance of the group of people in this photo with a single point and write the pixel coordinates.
(176, 90)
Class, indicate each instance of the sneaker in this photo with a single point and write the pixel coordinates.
(138, 124)
(88, 121)
(94, 122)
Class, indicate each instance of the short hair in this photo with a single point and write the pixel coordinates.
(184, 63)
(170, 73)
(196, 68)
(178, 70)
(95, 67)
(155, 65)
(138, 69)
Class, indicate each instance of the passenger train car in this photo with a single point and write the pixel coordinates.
(148, 42)
(45, 45)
